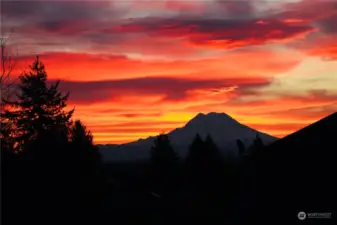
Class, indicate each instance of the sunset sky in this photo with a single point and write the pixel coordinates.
(138, 68)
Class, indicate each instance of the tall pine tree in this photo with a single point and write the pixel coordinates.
(212, 153)
(195, 154)
(208, 177)
(83, 148)
(194, 166)
(241, 147)
(37, 108)
(257, 145)
(87, 164)
(204, 159)
(164, 164)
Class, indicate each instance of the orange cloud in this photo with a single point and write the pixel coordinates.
(278, 129)
(324, 47)
(121, 132)
(111, 67)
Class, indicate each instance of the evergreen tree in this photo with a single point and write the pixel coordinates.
(164, 163)
(83, 148)
(213, 162)
(195, 173)
(212, 150)
(38, 108)
(258, 141)
(87, 167)
(256, 148)
(205, 175)
(203, 155)
(257, 144)
(241, 147)
(218, 178)
(57, 162)
(195, 155)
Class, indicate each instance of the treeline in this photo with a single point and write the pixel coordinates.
(51, 169)
(201, 184)
(205, 183)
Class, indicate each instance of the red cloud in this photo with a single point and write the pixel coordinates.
(323, 15)
(308, 10)
(324, 47)
(95, 23)
(195, 6)
(167, 89)
(220, 32)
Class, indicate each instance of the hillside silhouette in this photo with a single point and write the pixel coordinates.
(297, 171)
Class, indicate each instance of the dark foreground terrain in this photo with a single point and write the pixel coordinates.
(272, 182)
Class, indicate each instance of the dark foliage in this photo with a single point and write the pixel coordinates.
(203, 160)
(37, 109)
(208, 179)
(51, 168)
(164, 165)
(241, 147)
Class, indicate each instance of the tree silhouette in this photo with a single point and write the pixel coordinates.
(82, 144)
(195, 155)
(214, 167)
(38, 132)
(205, 175)
(38, 108)
(7, 141)
(7, 82)
(87, 167)
(84, 154)
(257, 144)
(213, 159)
(8, 63)
(164, 164)
(203, 156)
(241, 147)
(194, 172)
(212, 151)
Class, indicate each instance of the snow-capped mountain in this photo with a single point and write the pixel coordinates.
(221, 127)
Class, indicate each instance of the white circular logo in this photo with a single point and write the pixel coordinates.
(301, 215)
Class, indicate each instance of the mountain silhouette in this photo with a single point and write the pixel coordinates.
(223, 129)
